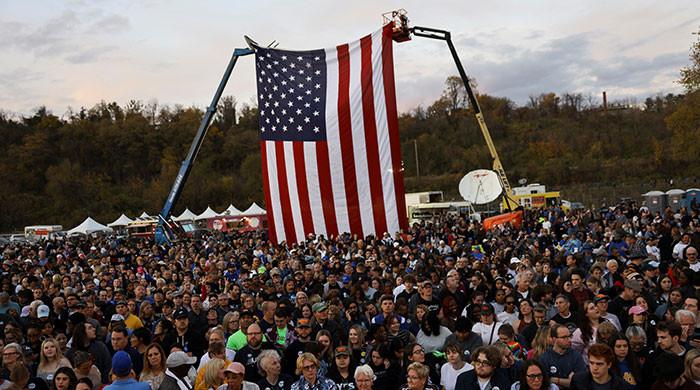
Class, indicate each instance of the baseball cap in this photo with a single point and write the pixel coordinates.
(486, 308)
(342, 350)
(180, 313)
(121, 363)
(514, 260)
(303, 323)
(637, 310)
(319, 306)
(42, 311)
(179, 358)
(236, 368)
(633, 285)
(601, 298)
(246, 313)
(117, 317)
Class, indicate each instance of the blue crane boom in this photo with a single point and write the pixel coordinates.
(161, 234)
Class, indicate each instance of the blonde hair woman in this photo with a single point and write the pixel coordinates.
(213, 374)
(50, 359)
(307, 368)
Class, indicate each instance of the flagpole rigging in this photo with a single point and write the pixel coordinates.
(402, 32)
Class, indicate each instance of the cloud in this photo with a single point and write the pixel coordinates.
(89, 55)
(69, 35)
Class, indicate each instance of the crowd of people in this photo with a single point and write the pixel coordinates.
(586, 299)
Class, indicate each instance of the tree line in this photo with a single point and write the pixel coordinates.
(112, 158)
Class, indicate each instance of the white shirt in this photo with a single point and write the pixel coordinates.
(508, 318)
(488, 333)
(678, 250)
(448, 375)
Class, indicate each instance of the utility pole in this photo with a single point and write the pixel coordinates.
(415, 149)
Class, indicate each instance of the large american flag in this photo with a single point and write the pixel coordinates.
(331, 156)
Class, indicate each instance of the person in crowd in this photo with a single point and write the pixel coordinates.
(357, 344)
(234, 374)
(486, 361)
(454, 367)
(213, 376)
(270, 367)
(533, 377)
(307, 366)
(417, 378)
(585, 334)
(432, 335)
(341, 371)
(464, 337)
(487, 328)
(561, 360)
(154, 366)
(84, 367)
(599, 374)
(627, 366)
(178, 365)
(64, 379)
(123, 374)
(85, 339)
(50, 359)
(364, 377)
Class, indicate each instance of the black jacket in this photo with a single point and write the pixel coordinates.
(468, 381)
(584, 381)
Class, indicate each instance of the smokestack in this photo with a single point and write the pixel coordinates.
(605, 101)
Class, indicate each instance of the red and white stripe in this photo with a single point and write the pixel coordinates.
(353, 182)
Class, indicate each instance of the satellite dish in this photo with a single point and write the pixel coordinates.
(480, 186)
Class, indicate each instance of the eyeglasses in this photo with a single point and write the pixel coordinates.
(9, 353)
(309, 367)
(564, 337)
(419, 351)
(481, 363)
(535, 377)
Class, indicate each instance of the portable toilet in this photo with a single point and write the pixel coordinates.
(692, 196)
(655, 201)
(675, 199)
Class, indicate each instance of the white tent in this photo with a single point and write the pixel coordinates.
(231, 211)
(89, 226)
(186, 215)
(144, 215)
(208, 213)
(254, 209)
(123, 220)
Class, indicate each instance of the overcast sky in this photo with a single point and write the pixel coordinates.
(77, 53)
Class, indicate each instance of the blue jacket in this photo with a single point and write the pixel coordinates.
(128, 384)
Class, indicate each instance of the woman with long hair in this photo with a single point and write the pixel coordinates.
(213, 374)
(394, 331)
(627, 363)
(585, 335)
(85, 339)
(663, 290)
(341, 371)
(540, 343)
(357, 344)
(533, 377)
(50, 359)
(432, 335)
(525, 316)
(154, 367)
(64, 379)
(692, 366)
(163, 328)
(325, 355)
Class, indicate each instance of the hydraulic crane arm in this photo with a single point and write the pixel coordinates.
(161, 235)
(443, 35)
